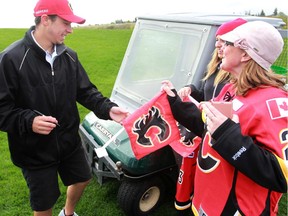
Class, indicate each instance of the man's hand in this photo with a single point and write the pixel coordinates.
(118, 114)
(44, 124)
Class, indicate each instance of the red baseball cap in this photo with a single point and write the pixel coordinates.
(229, 26)
(61, 8)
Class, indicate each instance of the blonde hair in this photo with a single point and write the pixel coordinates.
(212, 67)
(254, 76)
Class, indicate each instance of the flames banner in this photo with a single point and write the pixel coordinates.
(152, 126)
(188, 143)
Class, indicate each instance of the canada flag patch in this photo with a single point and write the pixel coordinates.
(278, 107)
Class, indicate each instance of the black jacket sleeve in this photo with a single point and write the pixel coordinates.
(198, 94)
(89, 96)
(187, 114)
(251, 159)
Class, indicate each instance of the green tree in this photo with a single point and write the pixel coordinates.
(262, 13)
(275, 13)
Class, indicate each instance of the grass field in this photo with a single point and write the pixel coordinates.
(101, 52)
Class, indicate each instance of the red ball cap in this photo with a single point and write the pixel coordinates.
(61, 8)
(229, 26)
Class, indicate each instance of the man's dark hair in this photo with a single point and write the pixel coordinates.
(38, 19)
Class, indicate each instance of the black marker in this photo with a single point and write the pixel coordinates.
(41, 114)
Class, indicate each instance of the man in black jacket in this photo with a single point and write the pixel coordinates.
(41, 81)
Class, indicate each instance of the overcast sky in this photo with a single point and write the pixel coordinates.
(19, 13)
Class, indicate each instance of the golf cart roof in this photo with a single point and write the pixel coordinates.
(210, 19)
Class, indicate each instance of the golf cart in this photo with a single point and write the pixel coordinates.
(175, 47)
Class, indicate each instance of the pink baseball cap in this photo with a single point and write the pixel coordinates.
(259, 39)
(229, 26)
(61, 8)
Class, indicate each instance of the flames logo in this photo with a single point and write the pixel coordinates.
(186, 135)
(151, 126)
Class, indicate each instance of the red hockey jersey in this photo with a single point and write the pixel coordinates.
(246, 174)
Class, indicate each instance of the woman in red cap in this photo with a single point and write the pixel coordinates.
(212, 84)
(215, 77)
(242, 162)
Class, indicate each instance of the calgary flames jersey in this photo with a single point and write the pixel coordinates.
(241, 168)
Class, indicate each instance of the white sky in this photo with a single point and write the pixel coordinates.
(19, 13)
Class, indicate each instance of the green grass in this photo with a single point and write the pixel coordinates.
(101, 52)
(282, 60)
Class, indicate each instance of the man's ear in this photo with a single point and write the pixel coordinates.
(44, 19)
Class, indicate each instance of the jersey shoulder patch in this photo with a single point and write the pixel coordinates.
(278, 107)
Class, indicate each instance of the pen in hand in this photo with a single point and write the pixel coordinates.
(41, 114)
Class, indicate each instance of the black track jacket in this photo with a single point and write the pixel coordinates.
(27, 83)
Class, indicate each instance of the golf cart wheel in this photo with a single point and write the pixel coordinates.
(142, 197)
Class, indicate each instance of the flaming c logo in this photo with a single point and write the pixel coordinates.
(151, 126)
(186, 136)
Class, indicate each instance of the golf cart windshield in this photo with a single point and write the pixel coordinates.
(159, 51)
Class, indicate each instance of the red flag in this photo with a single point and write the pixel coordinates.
(152, 126)
(187, 144)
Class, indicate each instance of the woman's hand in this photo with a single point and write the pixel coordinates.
(167, 86)
(214, 118)
(184, 92)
